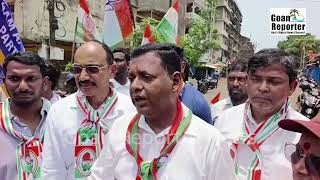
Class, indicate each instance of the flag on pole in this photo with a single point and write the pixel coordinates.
(215, 99)
(147, 36)
(168, 26)
(86, 28)
(117, 23)
(10, 39)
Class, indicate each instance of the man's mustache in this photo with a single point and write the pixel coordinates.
(86, 82)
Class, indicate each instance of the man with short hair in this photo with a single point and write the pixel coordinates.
(78, 123)
(121, 82)
(23, 117)
(305, 156)
(252, 128)
(189, 95)
(164, 140)
(53, 75)
(236, 85)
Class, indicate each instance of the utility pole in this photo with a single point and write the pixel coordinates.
(53, 25)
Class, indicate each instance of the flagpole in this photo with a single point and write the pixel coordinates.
(74, 41)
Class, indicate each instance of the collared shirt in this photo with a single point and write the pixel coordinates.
(219, 107)
(55, 98)
(274, 162)
(201, 154)
(8, 161)
(124, 89)
(196, 102)
(64, 120)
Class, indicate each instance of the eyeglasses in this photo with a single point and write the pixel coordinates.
(295, 152)
(90, 69)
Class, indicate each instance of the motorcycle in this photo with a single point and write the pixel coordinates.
(309, 99)
(212, 82)
(202, 86)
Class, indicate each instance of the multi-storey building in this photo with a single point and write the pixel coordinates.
(246, 48)
(228, 20)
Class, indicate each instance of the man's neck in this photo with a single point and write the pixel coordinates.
(259, 116)
(48, 95)
(121, 79)
(97, 100)
(163, 119)
(29, 115)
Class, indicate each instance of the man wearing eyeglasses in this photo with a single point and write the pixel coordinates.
(78, 123)
(236, 85)
(305, 156)
(252, 129)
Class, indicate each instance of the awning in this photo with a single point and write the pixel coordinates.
(210, 65)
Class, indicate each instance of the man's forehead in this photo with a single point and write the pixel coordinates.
(237, 74)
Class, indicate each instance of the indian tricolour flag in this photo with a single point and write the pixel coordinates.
(86, 28)
(147, 36)
(117, 23)
(168, 26)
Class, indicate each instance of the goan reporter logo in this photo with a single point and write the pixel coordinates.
(288, 21)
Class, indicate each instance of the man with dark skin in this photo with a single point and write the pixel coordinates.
(133, 146)
(121, 82)
(237, 88)
(23, 117)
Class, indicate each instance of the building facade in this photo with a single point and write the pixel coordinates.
(228, 19)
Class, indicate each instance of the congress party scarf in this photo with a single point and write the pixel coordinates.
(29, 151)
(255, 139)
(89, 135)
(147, 170)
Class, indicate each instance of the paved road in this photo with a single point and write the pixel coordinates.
(222, 88)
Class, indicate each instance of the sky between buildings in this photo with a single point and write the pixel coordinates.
(256, 19)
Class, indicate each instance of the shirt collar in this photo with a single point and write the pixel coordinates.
(144, 126)
(44, 111)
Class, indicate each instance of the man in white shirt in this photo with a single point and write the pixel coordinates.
(236, 84)
(164, 140)
(77, 124)
(121, 82)
(52, 74)
(257, 142)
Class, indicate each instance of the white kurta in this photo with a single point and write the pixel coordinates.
(199, 155)
(124, 89)
(274, 163)
(220, 107)
(64, 120)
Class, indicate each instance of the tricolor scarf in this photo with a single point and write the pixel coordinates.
(255, 139)
(29, 151)
(89, 135)
(147, 170)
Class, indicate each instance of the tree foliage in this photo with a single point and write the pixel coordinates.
(202, 35)
(298, 45)
(137, 36)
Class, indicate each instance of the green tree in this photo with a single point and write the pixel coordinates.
(137, 36)
(202, 35)
(299, 45)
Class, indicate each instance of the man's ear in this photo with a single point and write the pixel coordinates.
(177, 81)
(292, 86)
(112, 70)
(45, 83)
